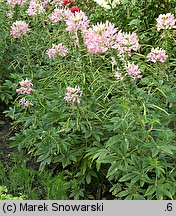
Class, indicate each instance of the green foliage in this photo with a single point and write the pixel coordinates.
(5, 196)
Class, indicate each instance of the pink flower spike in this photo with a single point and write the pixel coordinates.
(133, 71)
(22, 101)
(25, 103)
(25, 87)
(35, 8)
(13, 3)
(165, 21)
(77, 21)
(57, 15)
(157, 54)
(26, 83)
(19, 28)
(57, 50)
(100, 37)
(73, 95)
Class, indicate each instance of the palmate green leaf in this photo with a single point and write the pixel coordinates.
(151, 190)
(114, 168)
(127, 177)
(163, 190)
(135, 22)
(43, 157)
(83, 166)
(88, 178)
(123, 193)
(138, 197)
(101, 153)
(107, 159)
(135, 179)
(155, 151)
(168, 148)
(44, 163)
(167, 193)
(113, 140)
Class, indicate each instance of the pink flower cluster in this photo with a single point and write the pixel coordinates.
(19, 28)
(100, 37)
(57, 15)
(126, 43)
(57, 50)
(165, 21)
(77, 21)
(13, 3)
(133, 71)
(35, 8)
(157, 54)
(73, 95)
(25, 87)
(24, 102)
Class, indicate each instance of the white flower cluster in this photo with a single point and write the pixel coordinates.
(108, 3)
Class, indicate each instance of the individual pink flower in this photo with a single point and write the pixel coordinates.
(73, 95)
(19, 28)
(13, 3)
(77, 21)
(157, 54)
(57, 50)
(25, 87)
(35, 8)
(133, 71)
(165, 21)
(100, 37)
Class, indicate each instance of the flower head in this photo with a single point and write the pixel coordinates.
(19, 28)
(57, 15)
(107, 4)
(25, 103)
(57, 50)
(77, 21)
(13, 3)
(100, 37)
(25, 87)
(73, 95)
(157, 54)
(133, 71)
(125, 43)
(35, 8)
(165, 21)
